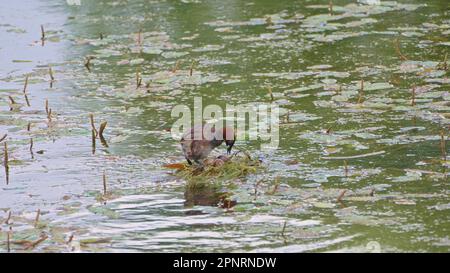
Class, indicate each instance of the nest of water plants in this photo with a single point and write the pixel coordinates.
(219, 168)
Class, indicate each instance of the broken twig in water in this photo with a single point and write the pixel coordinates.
(346, 168)
(275, 187)
(42, 35)
(25, 85)
(26, 100)
(341, 195)
(397, 50)
(354, 156)
(93, 141)
(104, 183)
(191, 69)
(31, 148)
(42, 32)
(52, 78)
(8, 240)
(139, 38)
(330, 7)
(12, 100)
(70, 239)
(36, 220)
(8, 218)
(284, 229)
(87, 62)
(48, 111)
(443, 65)
(50, 71)
(256, 188)
(35, 243)
(100, 133)
(177, 65)
(442, 145)
(361, 92)
(5, 162)
(413, 99)
(270, 93)
(91, 117)
(3, 137)
(102, 128)
(138, 79)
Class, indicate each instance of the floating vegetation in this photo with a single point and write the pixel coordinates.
(218, 169)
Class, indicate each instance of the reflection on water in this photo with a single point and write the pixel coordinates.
(363, 80)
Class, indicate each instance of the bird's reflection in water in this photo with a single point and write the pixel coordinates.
(207, 195)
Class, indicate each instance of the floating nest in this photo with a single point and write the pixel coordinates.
(219, 168)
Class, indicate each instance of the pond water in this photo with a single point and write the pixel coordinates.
(301, 199)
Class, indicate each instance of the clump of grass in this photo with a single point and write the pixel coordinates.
(237, 166)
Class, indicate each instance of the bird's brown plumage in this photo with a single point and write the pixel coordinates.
(199, 149)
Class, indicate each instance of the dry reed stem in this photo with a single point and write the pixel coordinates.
(270, 93)
(36, 220)
(5, 163)
(341, 195)
(397, 50)
(104, 183)
(91, 117)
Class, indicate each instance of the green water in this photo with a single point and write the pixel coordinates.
(396, 200)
